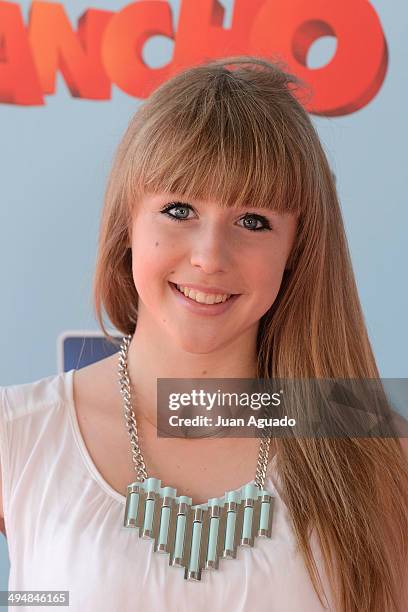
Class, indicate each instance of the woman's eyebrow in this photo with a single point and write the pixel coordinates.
(263, 210)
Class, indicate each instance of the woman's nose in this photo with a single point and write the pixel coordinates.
(210, 250)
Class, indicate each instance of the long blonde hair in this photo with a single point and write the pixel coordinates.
(238, 135)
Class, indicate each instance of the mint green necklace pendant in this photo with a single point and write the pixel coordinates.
(194, 537)
(197, 537)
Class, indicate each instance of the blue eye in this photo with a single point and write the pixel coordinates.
(178, 206)
(185, 208)
(256, 218)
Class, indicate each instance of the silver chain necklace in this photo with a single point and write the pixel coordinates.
(131, 425)
(194, 537)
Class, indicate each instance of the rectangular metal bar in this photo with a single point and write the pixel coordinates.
(239, 520)
(156, 517)
(204, 539)
(172, 528)
(141, 510)
(188, 533)
(271, 509)
(255, 518)
(222, 526)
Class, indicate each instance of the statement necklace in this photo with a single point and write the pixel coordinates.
(195, 537)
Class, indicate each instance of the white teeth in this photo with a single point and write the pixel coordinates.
(203, 298)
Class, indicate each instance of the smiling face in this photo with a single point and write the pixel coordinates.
(229, 251)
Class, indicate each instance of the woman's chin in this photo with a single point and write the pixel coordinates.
(197, 345)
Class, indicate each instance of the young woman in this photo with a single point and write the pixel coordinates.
(220, 191)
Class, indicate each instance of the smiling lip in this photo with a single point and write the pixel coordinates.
(204, 289)
(202, 309)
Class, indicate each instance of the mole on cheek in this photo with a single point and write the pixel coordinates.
(157, 244)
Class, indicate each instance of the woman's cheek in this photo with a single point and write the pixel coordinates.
(271, 284)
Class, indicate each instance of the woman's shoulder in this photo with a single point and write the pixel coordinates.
(32, 415)
(19, 400)
(30, 421)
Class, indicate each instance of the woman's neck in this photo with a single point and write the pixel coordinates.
(153, 355)
(160, 357)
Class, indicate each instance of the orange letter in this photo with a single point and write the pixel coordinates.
(18, 79)
(56, 46)
(123, 42)
(356, 72)
(201, 35)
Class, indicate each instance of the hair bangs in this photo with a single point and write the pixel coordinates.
(223, 146)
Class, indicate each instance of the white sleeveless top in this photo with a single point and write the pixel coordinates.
(65, 531)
